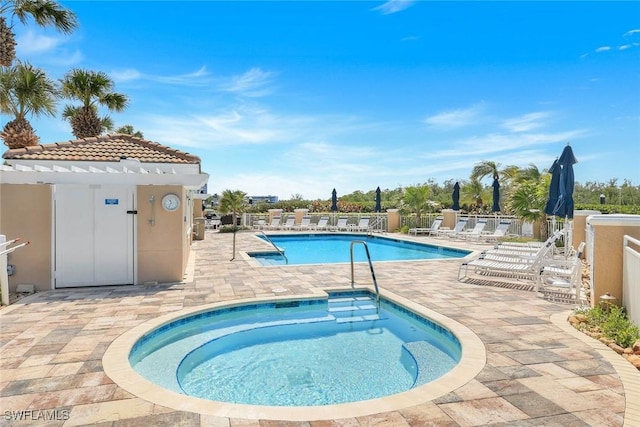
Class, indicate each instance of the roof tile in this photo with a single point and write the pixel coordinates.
(104, 148)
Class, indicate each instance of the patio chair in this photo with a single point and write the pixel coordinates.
(472, 234)
(562, 278)
(525, 251)
(321, 225)
(524, 266)
(305, 223)
(427, 230)
(289, 223)
(363, 225)
(501, 231)
(341, 225)
(460, 225)
(259, 224)
(274, 224)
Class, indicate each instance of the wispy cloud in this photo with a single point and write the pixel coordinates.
(199, 77)
(631, 33)
(410, 38)
(526, 122)
(603, 49)
(33, 43)
(455, 118)
(253, 83)
(393, 6)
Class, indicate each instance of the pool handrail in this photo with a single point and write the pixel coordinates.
(280, 251)
(373, 274)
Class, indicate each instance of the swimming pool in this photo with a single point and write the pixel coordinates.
(298, 353)
(335, 248)
(117, 366)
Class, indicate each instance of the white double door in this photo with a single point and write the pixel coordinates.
(94, 235)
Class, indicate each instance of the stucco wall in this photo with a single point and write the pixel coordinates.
(162, 240)
(607, 259)
(25, 212)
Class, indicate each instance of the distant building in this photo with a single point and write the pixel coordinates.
(262, 199)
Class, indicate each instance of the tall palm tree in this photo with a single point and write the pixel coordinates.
(472, 193)
(92, 89)
(24, 90)
(232, 201)
(43, 12)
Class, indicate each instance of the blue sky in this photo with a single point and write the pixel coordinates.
(300, 97)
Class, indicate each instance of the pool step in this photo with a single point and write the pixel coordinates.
(353, 309)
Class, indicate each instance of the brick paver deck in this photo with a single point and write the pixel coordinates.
(538, 372)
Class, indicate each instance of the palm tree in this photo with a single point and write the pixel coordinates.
(417, 199)
(232, 201)
(129, 130)
(528, 199)
(24, 90)
(472, 192)
(92, 89)
(43, 12)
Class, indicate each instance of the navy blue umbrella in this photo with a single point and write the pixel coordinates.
(456, 197)
(564, 207)
(496, 196)
(334, 201)
(378, 200)
(554, 188)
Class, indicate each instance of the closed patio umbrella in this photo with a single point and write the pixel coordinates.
(564, 206)
(334, 201)
(554, 188)
(378, 200)
(456, 197)
(496, 196)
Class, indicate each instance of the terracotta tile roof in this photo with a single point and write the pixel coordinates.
(104, 148)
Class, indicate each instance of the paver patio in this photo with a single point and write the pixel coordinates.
(539, 371)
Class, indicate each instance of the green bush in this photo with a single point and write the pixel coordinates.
(613, 323)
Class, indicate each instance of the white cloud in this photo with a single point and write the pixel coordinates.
(31, 43)
(125, 75)
(393, 6)
(526, 122)
(253, 83)
(603, 49)
(631, 32)
(455, 118)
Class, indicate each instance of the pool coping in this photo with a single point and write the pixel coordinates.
(116, 365)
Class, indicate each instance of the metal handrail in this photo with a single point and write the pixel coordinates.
(373, 274)
(280, 251)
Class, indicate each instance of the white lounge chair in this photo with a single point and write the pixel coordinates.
(363, 225)
(527, 267)
(274, 224)
(321, 225)
(474, 233)
(289, 223)
(501, 231)
(562, 278)
(427, 230)
(305, 223)
(259, 224)
(460, 225)
(341, 225)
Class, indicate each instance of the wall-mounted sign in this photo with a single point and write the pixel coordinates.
(110, 201)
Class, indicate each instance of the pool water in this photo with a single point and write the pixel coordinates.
(335, 248)
(298, 353)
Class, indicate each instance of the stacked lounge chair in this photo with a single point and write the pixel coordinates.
(524, 265)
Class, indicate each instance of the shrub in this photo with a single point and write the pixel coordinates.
(613, 323)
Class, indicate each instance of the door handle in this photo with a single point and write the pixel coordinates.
(132, 212)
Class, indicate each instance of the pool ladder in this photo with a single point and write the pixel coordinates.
(280, 251)
(373, 274)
